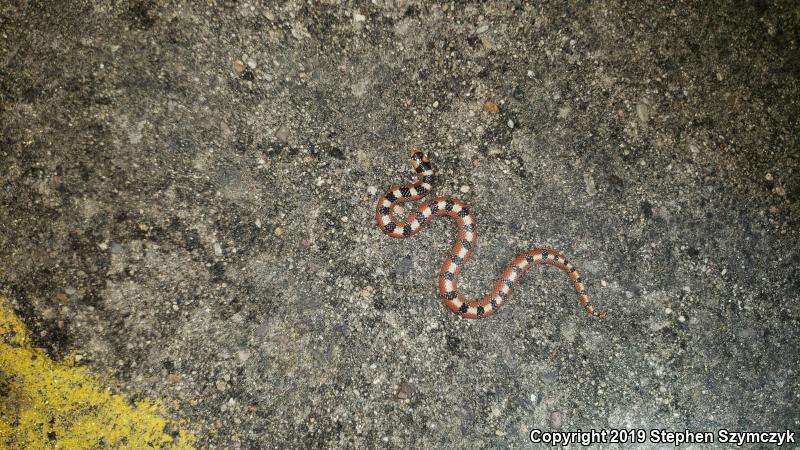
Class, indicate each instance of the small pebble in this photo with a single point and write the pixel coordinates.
(768, 176)
(217, 249)
(464, 189)
(238, 67)
(359, 89)
(358, 17)
(662, 213)
(116, 248)
(556, 419)
(404, 391)
(491, 107)
(510, 123)
(278, 231)
(591, 188)
(643, 111)
(251, 63)
(282, 135)
(372, 190)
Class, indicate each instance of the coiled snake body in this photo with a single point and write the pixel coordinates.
(467, 237)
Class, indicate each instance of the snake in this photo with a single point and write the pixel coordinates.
(465, 244)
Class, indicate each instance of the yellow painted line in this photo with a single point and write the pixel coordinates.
(57, 404)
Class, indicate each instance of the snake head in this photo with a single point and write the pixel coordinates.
(418, 156)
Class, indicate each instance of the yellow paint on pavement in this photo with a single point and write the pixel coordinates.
(56, 404)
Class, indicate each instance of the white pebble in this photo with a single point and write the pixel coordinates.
(372, 190)
(217, 249)
(510, 123)
(643, 111)
(464, 189)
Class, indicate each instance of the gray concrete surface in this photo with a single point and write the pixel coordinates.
(204, 229)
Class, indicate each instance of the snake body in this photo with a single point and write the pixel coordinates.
(467, 237)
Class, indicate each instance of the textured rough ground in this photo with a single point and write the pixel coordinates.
(204, 228)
